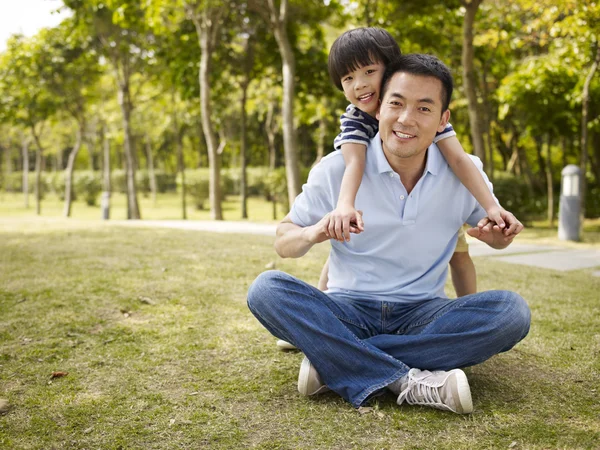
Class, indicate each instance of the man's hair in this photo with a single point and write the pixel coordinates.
(358, 48)
(423, 65)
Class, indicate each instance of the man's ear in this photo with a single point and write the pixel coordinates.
(444, 121)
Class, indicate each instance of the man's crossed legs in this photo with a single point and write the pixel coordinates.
(359, 347)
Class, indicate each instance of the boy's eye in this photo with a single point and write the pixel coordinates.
(347, 79)
(370, 71)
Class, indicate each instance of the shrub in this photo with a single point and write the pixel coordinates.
(89, 185)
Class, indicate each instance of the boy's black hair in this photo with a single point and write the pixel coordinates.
(424, 65)
(360, 47)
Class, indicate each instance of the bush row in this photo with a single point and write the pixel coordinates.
(513, 192)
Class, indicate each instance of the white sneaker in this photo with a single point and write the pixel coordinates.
(309, 381)
(284, 345)
(449, 391)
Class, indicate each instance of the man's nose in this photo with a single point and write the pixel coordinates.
(405, 116)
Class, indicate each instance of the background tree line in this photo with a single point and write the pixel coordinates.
(216, 97)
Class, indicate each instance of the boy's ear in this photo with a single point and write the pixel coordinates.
(378, 109)
(444, 120)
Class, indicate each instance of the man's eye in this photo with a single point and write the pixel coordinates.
(425, 109)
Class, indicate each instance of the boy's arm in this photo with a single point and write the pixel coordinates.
(345, 213)
(469, 175)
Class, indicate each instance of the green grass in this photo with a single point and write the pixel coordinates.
(194, 369)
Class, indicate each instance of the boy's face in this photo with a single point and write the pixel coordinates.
(362, 86)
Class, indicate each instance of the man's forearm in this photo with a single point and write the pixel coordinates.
(293, 241)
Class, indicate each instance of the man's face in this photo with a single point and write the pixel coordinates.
(411, 114)
(362, 86)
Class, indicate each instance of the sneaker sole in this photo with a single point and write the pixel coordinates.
(463, 393)
(284, 345)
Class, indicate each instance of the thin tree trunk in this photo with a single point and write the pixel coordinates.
(38, 171)
(583, 161)
(70, 168)
(471, 7)
(133, 210)
(243, 147)
(321, 136)
(549, 180)
(106, 175)
(269, 128)
(25, 150)
(279, 19)
(180, 162)
(206, 29)
(151, 174)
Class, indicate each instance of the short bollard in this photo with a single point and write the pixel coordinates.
(569, 208)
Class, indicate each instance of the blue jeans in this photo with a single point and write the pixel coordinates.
(361, 346)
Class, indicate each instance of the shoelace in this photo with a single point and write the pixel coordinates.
(419, 393)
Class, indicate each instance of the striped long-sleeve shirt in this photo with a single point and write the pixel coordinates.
(359, 127)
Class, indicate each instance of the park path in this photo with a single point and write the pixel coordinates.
(545, 256)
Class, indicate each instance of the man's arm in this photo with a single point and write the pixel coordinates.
(294, 241)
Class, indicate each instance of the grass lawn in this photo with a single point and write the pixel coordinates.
(161, 352)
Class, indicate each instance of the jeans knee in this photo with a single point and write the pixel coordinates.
(261, 292)
(517, 316)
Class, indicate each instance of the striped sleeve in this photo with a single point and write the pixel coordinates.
(356, 127)
(446, 133)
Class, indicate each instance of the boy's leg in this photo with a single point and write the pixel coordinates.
(330, 332)
(443, 334)
(462, 269)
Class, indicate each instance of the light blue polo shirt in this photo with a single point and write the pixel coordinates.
(403, 253)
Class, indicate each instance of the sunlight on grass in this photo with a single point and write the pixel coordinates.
(162, 352)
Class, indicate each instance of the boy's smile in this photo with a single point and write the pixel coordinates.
(361, 87)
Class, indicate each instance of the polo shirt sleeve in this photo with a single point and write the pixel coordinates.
(478, 212)
(317, 197)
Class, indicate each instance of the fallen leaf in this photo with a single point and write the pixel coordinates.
(194, 393)
(380, 414)
(171, 422)
(513, 444)
(59, 374)
(270, 265)
(4, 406)
(365, 409)
(146, 300)
(88, 430)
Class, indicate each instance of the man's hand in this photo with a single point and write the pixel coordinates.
(343, 220)
(492, 235)
(504, 219)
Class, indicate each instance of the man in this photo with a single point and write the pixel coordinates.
(385, 321)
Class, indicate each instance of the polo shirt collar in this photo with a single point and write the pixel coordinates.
(435, 160)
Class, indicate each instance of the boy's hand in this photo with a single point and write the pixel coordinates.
(492, 235)
(343, 220)
(504, 219)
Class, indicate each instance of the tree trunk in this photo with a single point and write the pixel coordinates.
(549, 180)
(180, 161)
(38, 171)
(583, 161)
(151, 174)
(70, 168)
(279, 23)
(471, 7)
(270, 129)
(133, 210)
(322, 135)
(25, 150)
(205, 29)
(106, 174)
(243, 147)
